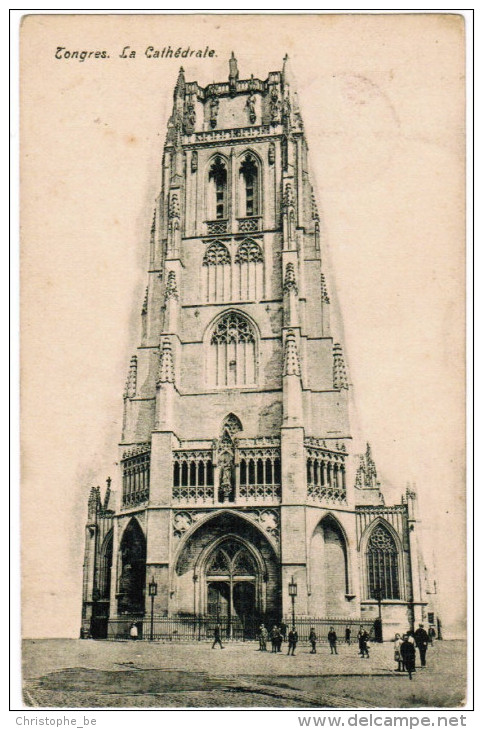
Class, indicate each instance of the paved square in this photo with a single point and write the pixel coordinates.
(74, 673)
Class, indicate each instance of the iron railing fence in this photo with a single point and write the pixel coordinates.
(202, 628)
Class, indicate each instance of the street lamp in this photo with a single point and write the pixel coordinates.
(292, 592)
(153, 590)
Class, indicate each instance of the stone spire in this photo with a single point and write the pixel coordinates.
(366, 479)
(370, 481)
(179, 89)
(290, 283)
(315, 212)
(288, 216)
(94, 503)
(144, 309)
(171, 288)
(286, 71)
(107, 494)
(166, 367)
(131, 382)
(173, 211)
(339, 373)
(233, 76)
(323, 290)
(291, 358)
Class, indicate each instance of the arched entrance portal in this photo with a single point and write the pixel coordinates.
(227, 568)
(233, 585)
(132, 573)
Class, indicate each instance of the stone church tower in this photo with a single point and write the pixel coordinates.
(235, 455)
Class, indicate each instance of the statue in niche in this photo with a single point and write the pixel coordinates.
(189, 117)
(226, 490)
(275, 107)
(251, 108)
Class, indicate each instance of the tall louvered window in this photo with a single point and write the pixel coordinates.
(250, 188)
(218, 178)
(232, 352)
(248, 271)
(217, 282)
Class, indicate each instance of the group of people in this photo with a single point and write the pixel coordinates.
(405, 648)
(277, 636)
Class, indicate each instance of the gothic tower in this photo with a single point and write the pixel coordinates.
(236, 446)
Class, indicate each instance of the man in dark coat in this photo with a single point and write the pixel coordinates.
(262, 637)
(313, 641)
(275, 639)
(348, 635)
(332, 637)
(363, 638)
(408, 655)
(217, 637)
(421, 639)
(293, 637)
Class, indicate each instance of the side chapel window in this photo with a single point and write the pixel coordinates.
(382, 565)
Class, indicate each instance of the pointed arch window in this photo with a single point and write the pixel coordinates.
(105, 567)
(232, 352)
(248, 271)
(250, 189)
(231, 559)
(217, 177)
(232, 424)
(382, 565)
(217, 273)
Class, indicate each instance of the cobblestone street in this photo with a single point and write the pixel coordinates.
(73, 673)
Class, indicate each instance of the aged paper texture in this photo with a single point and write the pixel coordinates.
(382, 101)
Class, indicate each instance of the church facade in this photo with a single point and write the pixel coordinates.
(237, 472)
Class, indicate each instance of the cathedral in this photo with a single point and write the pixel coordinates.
(238, 476)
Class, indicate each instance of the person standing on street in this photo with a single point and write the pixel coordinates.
(397, 653)
(363, 638)
(313, 641)
(293, 637)
(275, 638)
(348, 635)
(421, 639)
(431, 634)
(332, 637)
(264, 633)
(262, 642)
(217, 639)
(133, 631)
(408, 655)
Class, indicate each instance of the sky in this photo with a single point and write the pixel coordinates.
(382, 99)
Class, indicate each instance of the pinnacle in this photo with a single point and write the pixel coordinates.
(292, 363)
(166, 369)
